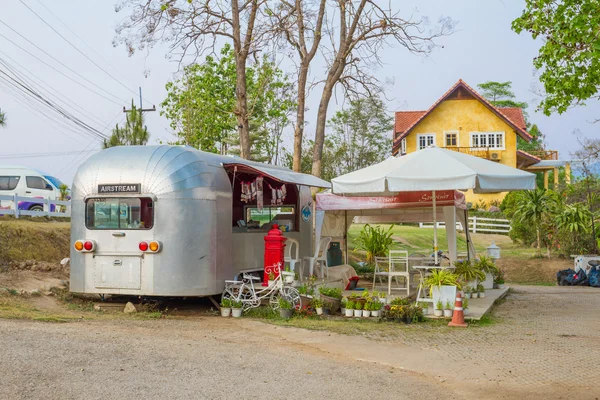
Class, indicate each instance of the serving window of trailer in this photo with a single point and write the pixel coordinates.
(259, 201)
(122, 213)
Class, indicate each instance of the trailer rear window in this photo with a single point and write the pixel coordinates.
(119, 213)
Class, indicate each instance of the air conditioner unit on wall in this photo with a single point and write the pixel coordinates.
(495, 155)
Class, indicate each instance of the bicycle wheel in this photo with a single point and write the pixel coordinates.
(288, 293)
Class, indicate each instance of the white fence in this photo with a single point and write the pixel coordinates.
(50, 208)
(479, 224)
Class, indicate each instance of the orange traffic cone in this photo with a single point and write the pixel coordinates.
(458, 317)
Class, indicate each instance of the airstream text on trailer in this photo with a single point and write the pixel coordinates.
(175, 221)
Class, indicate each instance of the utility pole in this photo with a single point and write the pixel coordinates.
(142, 109)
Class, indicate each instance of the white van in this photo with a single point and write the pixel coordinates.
(26, 182)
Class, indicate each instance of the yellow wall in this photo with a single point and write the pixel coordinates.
(466, 116)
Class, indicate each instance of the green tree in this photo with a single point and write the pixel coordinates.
(361, 133)
(2, 119)
(535, 207)
(569, 58)
(133, 133)
(201, 106)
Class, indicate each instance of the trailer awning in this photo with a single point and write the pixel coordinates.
(280, 174)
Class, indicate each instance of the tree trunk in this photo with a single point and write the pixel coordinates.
(242, 108)
(332, 79)
(539, 248)
(299, 130)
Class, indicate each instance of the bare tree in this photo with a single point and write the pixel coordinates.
(366, 30)
(302, 28)
(191, 27)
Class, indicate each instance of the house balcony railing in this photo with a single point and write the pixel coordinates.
(545, 154)
(483, 152)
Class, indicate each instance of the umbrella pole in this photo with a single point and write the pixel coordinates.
(435, 243)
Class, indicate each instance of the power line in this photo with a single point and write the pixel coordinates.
(44, 86)
(91, 48)
(77, 49)
(59, 71)
(49, 154)
(55, 59)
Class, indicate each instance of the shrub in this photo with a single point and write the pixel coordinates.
(336, 293)
(375, 241)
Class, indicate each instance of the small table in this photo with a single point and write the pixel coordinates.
(424, 269)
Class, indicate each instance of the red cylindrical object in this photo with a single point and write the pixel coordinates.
(274, 245)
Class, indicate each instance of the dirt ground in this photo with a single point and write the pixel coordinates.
(543, 344)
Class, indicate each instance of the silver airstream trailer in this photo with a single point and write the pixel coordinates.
(175, 221)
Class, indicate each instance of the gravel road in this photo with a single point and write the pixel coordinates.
(202, 358)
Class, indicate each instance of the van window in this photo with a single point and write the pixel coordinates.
(119, 213)
(8, 182)
(35, 182)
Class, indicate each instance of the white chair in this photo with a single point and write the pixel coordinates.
(397, 266)
(319, 257)
(290, 256)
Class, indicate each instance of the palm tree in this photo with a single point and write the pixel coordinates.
(533, 207)
(64, 193)
(2, 119)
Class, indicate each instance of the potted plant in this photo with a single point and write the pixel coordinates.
(331, 295)
(367, 310)
(438, 310)
(288, 277)
(424, 307)
(465, 304)
(307, 292)
(481, 291)
(499, 279)
(286, 309)
(489, 269)
(468, 272)
(349, 308)
(343, 305)
(236, 308)
(467, 292)
(317, 304)
(376, 309)
(225, 307)
(474, 293)
(358, 309)
(326, 308)
(443, 285)
(448, 310)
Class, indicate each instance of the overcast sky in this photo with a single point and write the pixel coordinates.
(482, 48)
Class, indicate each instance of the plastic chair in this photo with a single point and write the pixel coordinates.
(291, 245)
(319, 257)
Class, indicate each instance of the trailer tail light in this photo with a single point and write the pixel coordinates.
(85, 246)
(150, 247)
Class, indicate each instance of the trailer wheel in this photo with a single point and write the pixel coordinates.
(289, 293)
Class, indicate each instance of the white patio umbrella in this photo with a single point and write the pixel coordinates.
(433, 169)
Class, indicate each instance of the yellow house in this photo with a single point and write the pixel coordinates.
(462, 120)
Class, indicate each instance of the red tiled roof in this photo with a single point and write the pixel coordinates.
(527, 159)
(407, 120)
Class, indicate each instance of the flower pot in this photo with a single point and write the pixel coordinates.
(438, 313)
(343, 310)
(349, 312)
(482, 295)
(335, 303)
(326, 311)
(468, 295)
(474, 295)
(236, 312)
(358, 313)
(305, 301)
(288, 279)
(375, 313)
(383, 300)
(366, 313)
(408, 320)
(286, 312)
(501, 286)
(319, 310)
(225, 312)
(425, 310)
(448, 313)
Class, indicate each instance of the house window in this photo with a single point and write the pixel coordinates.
(451, 139)
(403, 147)
(492, 140)
(425, 140)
